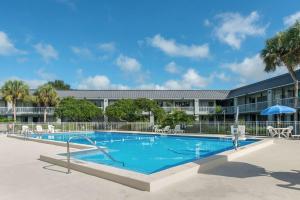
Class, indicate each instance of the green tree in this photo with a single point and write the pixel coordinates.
(283, 50)
(14, 90)
(46, 96)
(177, 117)
(60, 85)
(150, 106)
(218, 111)
(123, 110)
(70, 109)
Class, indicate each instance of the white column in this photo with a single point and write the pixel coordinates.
(235, 103)
(151, 119)
(196, 109)
(269, 99)
(105, 104)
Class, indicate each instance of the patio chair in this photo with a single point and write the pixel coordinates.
(288, 133)
(177, 129)
(271, 131)
(51, 129)
(295, 136)
(155, 128)
(164, 130)
(25, 129)
(39, 128)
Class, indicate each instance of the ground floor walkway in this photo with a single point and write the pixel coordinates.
(272, 173)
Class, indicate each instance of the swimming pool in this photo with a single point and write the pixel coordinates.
(146, 153)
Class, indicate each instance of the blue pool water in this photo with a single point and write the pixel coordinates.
(146, 153)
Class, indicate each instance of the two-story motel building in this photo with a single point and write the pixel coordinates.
(250, 99)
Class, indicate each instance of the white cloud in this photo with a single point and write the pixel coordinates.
(99, 82)
(69, 3)
(251, 69)
(22, 59)
(82, 52)
(234, 28)
(207, 22)
(79, 72)
(128, 64)
(189, 80)
(291, 19)
(35, 83)
(172, 68)
(172, 48)
(42, 73)
(221, 76)
(107, 47)
(47, 51)
(7, 47)
(32, 83)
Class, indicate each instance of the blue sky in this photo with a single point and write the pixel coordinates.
(134, 44)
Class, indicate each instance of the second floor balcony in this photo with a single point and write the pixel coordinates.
(188, 110)
(206, 110)
(259, 106)
(27, 110)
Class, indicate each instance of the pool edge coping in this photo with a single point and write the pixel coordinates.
(158, 180)
(141, 181)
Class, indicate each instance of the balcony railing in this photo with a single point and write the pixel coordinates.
(26, 110)
(253, 107)
(186, 109)
(259, 106)
(203, 110)
(207, 110)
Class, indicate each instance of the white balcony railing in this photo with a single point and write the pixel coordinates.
(186, 109)
(207, 110)
(26, 110)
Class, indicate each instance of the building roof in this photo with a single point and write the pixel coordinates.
(150, 94)
(277, 81)
(260, 86)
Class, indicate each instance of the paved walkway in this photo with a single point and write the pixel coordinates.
(272, 173)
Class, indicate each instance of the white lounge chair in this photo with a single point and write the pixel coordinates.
(177, 129)
(25, 130)
(289, 131)
(294, 136)
(51, 129)
(39, 128)
(155, 128)
(271, 131)
(164, 130)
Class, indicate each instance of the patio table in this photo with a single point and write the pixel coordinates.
(282, 131)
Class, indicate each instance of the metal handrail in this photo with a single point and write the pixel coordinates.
(93, 143)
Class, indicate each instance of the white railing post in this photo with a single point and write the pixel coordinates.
(200, 126)
(256, 127)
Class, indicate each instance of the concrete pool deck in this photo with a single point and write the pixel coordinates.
(270, 173)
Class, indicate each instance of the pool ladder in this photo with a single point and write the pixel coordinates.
(94, 144)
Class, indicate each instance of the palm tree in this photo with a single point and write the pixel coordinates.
(14, 90)
(283, 50)
(46, 96)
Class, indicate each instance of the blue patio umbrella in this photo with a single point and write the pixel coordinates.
(277, 110)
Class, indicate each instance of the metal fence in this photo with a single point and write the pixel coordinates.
(255, 128)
